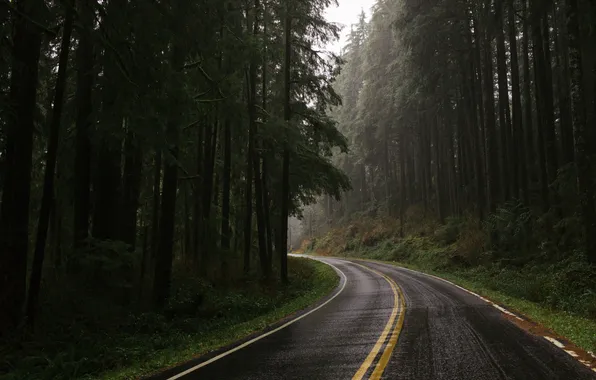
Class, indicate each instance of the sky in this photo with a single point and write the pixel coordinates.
(346, 14)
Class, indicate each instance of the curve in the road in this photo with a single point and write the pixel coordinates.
(392, 323)
(344, 280)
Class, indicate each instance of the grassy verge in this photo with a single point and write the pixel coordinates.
(144, 343)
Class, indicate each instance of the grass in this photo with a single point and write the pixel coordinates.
(145, 343)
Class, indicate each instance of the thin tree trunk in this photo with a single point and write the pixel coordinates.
(85, 79)
(544, 156)
(520, 159)
(507, 151)
(156, 205)
(131, 189)
(285, 184)
(494, 183)
(530, 151)
(226, 177)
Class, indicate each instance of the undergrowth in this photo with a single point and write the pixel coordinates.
(103, 341)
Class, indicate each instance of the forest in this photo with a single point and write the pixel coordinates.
(150, 155)
(471, 126)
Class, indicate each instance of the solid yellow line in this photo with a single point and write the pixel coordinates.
(380, 368)
(377, 347)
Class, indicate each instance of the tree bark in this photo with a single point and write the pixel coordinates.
(285, 184)
(226, 177)
(507, 151)
(47, 198)
(14, 214)
(85, 79)
(163, 262)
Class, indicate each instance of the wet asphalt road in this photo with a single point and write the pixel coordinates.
(447, 333)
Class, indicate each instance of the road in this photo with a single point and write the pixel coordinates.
(388, 322)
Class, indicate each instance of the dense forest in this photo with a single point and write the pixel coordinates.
(140, 138)
(472, 108)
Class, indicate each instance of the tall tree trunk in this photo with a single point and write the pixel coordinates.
(507, 151)
(563, 86)
(494, 183)
(163, 262)
(285, 184)
(85, 78)
(584, 133)
(530, 150)
(261, 228)
(131, 189)
(267, 215)
(107, 181)
(207, 192)
(14, 214)
(544, 109)
(156, 204)
(249, 184)
(47, 198)
(402, 175)
(226, 178)
(517, 135)
(265, 188)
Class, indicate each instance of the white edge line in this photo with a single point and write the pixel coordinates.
(501, 309)
(555, 342)
(248, 343)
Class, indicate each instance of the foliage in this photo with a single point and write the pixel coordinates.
(109, 342)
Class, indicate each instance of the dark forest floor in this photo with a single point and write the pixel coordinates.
(100, 340)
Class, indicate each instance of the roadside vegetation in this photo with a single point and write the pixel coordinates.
(507, 259)
(92, 338)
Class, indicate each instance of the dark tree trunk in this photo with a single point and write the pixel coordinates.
(530, 151)
(267, 215)
(584, 133)
(156, 204)
(107, 182)
(285, 183)
(494, 183)
(131, 189)
(402, 175)
(507, 150)
(544, 155)
(14, 214)
(106, 191)
(47, 198)
(248, 196)
(261, 229)
(226, 177)
(165, 254)
(207, 192)
(563, 86)
(85, 78)
(517, 131)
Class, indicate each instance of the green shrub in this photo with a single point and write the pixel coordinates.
(509, 230)
(448, 233)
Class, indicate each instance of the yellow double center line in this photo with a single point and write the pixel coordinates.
(399, 305)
